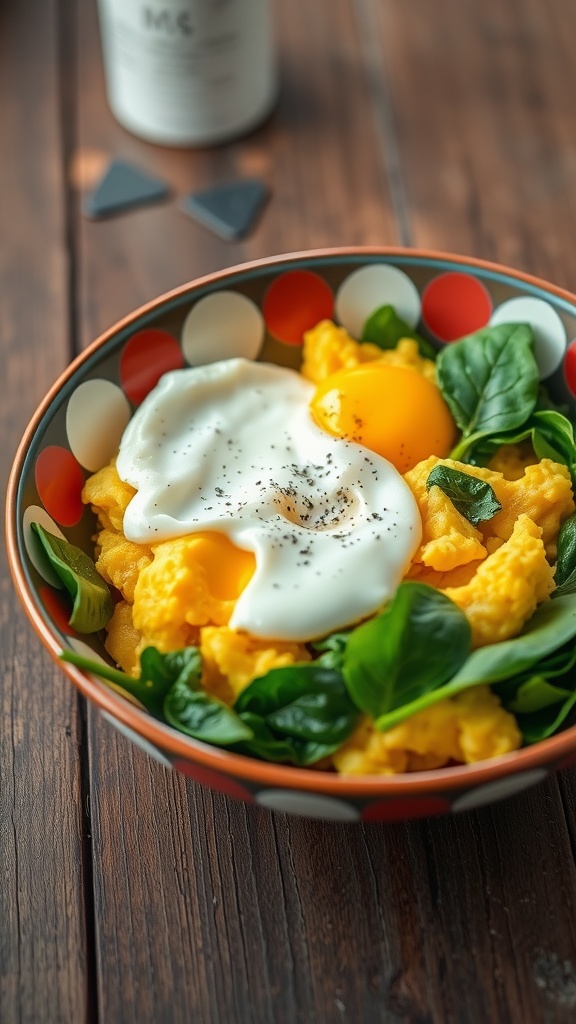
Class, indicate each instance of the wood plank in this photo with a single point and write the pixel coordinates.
(484, 126)
(43, 952)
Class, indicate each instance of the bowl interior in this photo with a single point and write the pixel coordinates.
(258, 311)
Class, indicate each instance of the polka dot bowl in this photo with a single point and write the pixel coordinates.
(260, 311)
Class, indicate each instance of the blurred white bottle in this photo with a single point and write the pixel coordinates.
(188, 72)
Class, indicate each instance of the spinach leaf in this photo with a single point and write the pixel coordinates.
(535, 694)
(331, 650)
(531, 690)
(385, 328)
(544, 696)
(263, 743)
(203, 716)
(92, 602)
(553, 437)
(414, 646)
(539, 725)
(304, 706)
(549, 431)
(552, 625)
(565, 575)
(490, 381)
(158, 672)
(472, 498)
(169, 688)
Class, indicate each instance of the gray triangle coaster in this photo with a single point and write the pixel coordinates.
(228, 210)
(123, 186)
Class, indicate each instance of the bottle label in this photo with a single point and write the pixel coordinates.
(188, 69)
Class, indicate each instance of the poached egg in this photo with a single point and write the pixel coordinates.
(232, 448)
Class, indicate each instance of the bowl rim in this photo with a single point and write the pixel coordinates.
(181, 747)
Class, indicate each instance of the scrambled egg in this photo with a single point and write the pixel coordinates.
(467, 728)
(328, 348)
(499, 571)
(182, 591)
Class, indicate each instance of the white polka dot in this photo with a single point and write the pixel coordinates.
(549, 332)
(138, 741)
(224, 325)
(308, 805)
(36, 553)
(500, 789)
(367, 289)
(97, 414)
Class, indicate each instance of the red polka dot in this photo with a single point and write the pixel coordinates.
(145, 357)
(59, 481)
(455, 304)
(59, 608)
(295, 302)
(570, 366)
(208, 777)
(401, 810)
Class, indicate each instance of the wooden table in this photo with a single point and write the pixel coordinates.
(128, 893)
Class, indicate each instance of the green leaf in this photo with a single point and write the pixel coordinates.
(472, 498)
(535, 694)
(545, 723)
(549, 431)
(331, 650)
(552, 625)
(264, 743)
(413, 647)
(540, 705)
(158, 672)
(490, 381)
(553, 437)
(565, 574)
(267, 746)
(169, 688)
(306, 707)
(385, 328)
(183, 666)
(203, 716)
(92, 602)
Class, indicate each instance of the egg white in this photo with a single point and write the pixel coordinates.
(232, 447)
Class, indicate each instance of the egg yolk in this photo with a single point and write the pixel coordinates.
(228, 568)
(392, 410)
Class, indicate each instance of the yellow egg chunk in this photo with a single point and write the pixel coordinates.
(108, 495)
(328, 348)
(191, 581)
(507, 587)
(511, 460)
(448, 539)
(392, 410)
(123, 640)
(228, 569)
(467, 728)
(231, 660)
(120, 562)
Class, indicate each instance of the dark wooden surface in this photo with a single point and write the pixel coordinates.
(127, 892)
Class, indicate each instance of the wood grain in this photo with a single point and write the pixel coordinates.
(484, 126)
(430, 123)
(43, 951)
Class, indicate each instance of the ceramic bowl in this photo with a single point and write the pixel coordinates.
(260, 310)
